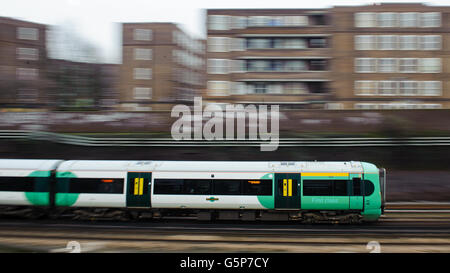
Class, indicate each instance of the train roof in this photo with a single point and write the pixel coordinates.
(29, 164)
(217, 166)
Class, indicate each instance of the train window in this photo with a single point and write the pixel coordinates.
(325, 188)
(95, 185)
(168, 186)
(227, 187)
(368, 188)
(340, 188)
(317, 187)
(258, 187)
(17, 184)
(357, 187)
(218, 186)
(358, 190)
(197, 186)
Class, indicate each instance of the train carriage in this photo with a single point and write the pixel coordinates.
(26, 182)
(309, 191)
(226, 189)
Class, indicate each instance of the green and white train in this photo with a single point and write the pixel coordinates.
(230, 190)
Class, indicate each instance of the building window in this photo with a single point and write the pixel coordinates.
(142, 73)
(142, 34)
(295, 88)
(142, 54)
(387, 88)
(218, 22)
(238, 22)
(408, 88)
(218, 44)
(27, 74)
(142, 93)
(259, 88)
(238, 44)
(238, 88)
(365, 19)
(387, 19)
(275, 89)
(218, 66)
(365, 106)
(290, 43)
(334, 106)
(25, 33)
(387, 42)
(365, 88)
(365, 65)
(430, 65)
(31, 54)
(365, 42)
(430, 88)
(258, 43)
(387, 65)
(295, 65)
(408, 19)
(238, 66)
(408, 65)
(318, 65)
(318, 43)
(408, 42)
(430, 42)
(430, 19)
(295, 21)
(258, 21)
(218, 88)
(258, 65)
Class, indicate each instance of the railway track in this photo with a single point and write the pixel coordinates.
(423, 228)
(188, 236)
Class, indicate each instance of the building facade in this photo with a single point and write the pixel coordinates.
(391, 56)
(23, 57)
(162, 66)
(383, 56)
(270, 56)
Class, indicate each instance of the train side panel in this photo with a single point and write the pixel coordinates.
(26, 182)
(172, 197)
(91, 189)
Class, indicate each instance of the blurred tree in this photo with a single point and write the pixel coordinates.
(73, 70)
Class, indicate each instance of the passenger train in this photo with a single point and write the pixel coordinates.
(310, 192)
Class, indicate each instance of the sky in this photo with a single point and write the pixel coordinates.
(98, 21)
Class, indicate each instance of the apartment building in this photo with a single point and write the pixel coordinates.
(22, 64)
(269, 56)
(381, 56)
(391, 56)
(162, 66)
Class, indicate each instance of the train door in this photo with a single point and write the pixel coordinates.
(287, 190)
(355, 192)
(138, 189)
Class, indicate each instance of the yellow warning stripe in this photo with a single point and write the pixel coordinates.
(141, 186)
(324, 174)
(136, 186)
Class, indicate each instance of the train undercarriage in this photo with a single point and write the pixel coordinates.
(115, 214)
